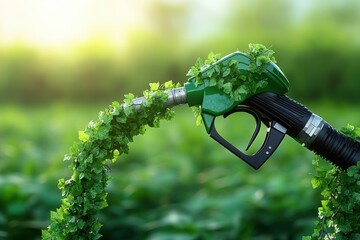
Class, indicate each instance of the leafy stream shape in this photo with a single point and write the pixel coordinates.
(339, 216)
(101, 143)
(84, 193)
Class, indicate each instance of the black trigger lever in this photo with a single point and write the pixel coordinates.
(274, 136)
(253, 113)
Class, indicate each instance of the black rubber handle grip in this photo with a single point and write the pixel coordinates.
(328, 142)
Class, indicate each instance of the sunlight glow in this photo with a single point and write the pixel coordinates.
(55, 23)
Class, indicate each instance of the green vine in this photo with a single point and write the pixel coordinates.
(228, 78)
(101, 143)
(339, 216)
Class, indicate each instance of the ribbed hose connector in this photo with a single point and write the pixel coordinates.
(308, 128)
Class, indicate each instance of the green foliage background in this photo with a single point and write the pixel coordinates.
(176, 183)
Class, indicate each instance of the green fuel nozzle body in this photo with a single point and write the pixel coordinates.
(215, 102)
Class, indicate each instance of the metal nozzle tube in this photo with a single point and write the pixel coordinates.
(176, 96)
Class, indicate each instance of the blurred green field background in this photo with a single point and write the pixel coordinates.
(176, 183)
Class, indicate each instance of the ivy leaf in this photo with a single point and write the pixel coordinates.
(233, 62)
(169, 85)
(226, 72)
(217, 68)
(115, 104)
(315, 183)
(128, 98)
(199, 120)
(261, 84)
(199, 63)
(83, 137)
(128, 110)
(260, 60)
(212, 58)
(116, 154)
(227, 87)
(210, 72)
(213, 82)
(193, 72)
(154, 86)
(352, 171)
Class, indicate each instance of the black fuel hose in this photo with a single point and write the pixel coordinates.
(307, 128)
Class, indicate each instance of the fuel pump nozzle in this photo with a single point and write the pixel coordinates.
(269, 105)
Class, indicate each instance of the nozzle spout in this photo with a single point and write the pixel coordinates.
(176, 96)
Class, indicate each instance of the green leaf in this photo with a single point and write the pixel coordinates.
(315, 182)
(154, 86)
(199, 120)
(115, 104)
(83, 137)
(217, 69)
(352, 171)
(227, 87)
(169, 85)
(116, 155)
(233, 62)
(193, 72)
(261, 84)
(199, 63)
(213, 82)
(226, 72)
(210, 72)
(128, 98)
(212, 58)
(128, 110)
